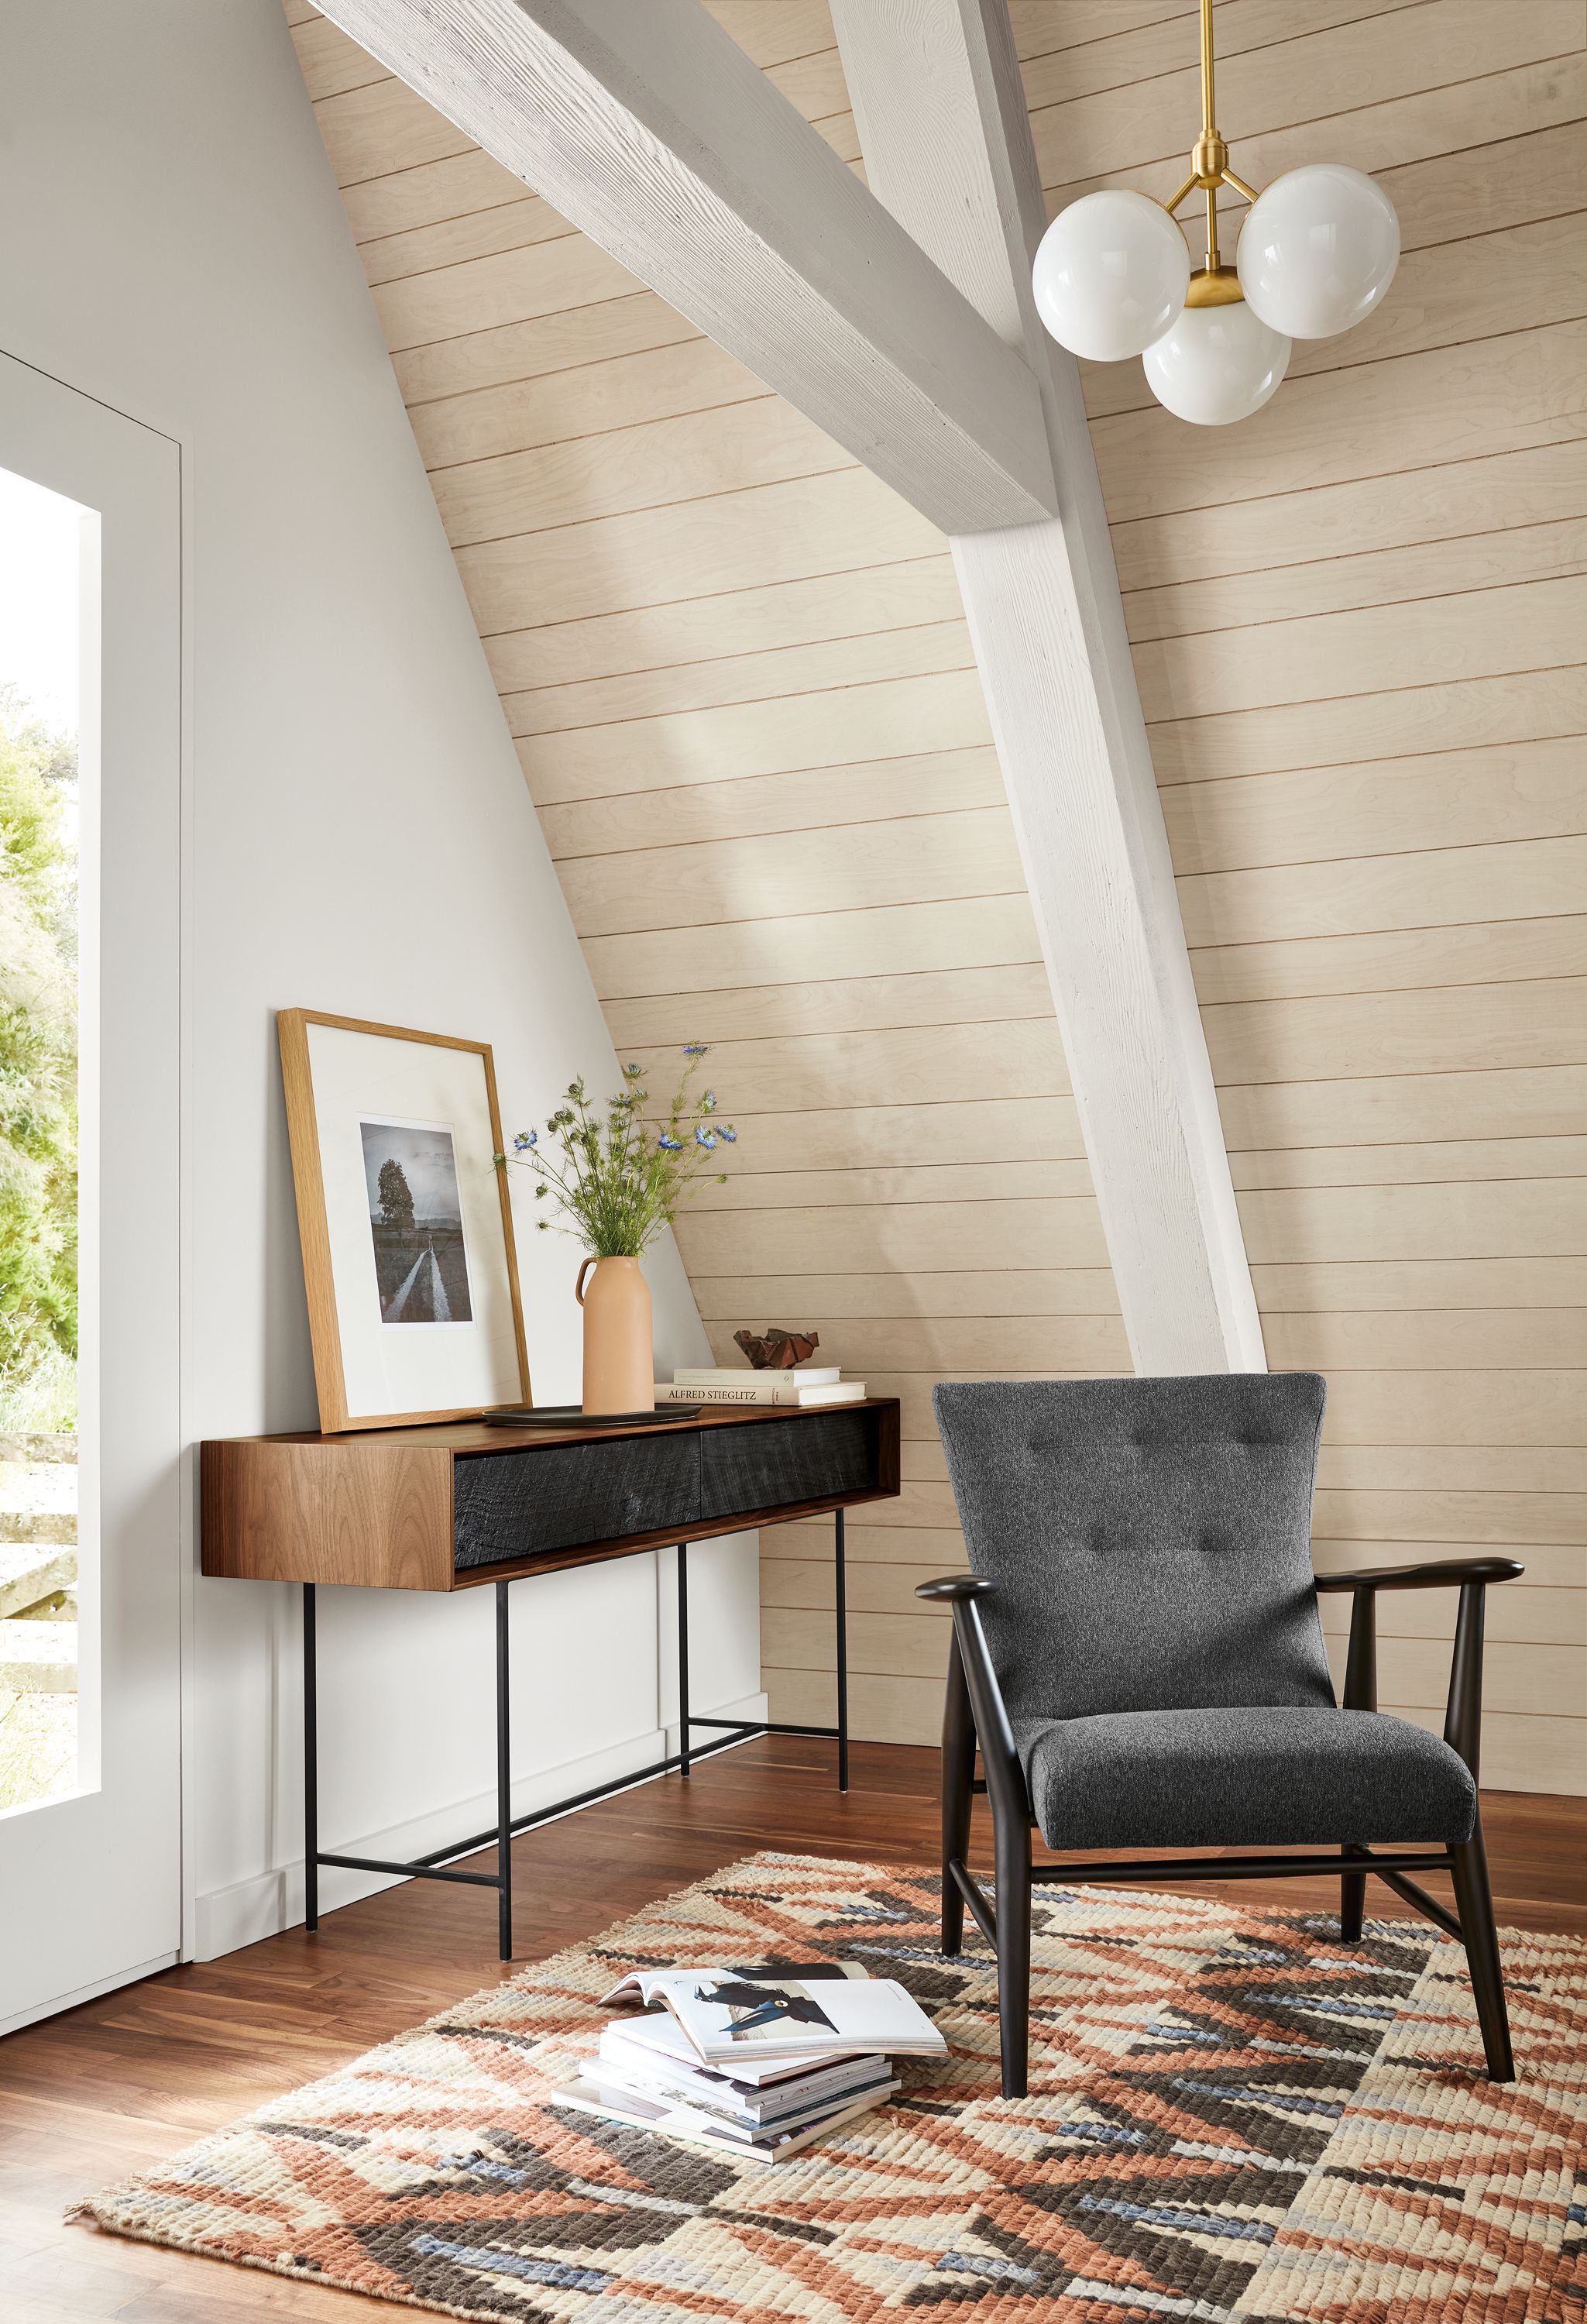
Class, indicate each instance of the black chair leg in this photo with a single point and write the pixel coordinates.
(1352, 1905)
(1473, 1898)
(958, 1770)
(1013, 1954)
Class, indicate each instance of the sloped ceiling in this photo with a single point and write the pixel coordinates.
(742, 692)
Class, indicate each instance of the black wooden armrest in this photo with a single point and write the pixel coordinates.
(1440, 1573)
(1005, 1778)
(1462, 1716)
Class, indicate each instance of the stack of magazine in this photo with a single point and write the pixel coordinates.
(755, 2061)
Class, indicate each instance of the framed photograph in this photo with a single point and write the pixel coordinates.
(405, 1221)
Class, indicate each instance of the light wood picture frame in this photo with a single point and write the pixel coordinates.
(393, 1134)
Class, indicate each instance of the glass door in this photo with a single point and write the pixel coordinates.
(90, 1504)
(48, 551)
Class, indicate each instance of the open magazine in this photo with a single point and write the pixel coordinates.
(807, 2010)
(654, 2043)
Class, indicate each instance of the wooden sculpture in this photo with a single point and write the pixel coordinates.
(780, 1350)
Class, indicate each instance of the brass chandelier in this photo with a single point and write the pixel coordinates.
(1316, 253)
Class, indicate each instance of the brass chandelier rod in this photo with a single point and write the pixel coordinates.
(1215, 285)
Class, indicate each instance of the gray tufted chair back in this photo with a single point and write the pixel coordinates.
(1151, 1538)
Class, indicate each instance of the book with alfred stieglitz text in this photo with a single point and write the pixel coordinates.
(760, 1387)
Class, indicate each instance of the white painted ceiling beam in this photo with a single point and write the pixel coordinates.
(941, 112)
(644, 124)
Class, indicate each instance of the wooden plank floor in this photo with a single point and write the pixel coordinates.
(114, 2087)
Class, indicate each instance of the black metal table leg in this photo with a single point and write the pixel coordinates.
(503, 1786)
(683, 1717)
(439, 1864)
(842, 1661)
(310, 1767)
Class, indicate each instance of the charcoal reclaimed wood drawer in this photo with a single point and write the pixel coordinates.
(512, 1505)
(450, 1506)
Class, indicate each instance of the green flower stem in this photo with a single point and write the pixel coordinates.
(616, 1182)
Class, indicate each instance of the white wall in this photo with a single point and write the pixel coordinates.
(360, 841)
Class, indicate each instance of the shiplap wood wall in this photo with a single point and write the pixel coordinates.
(739, 676)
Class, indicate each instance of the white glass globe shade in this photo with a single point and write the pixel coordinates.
(1318, 250)
(1216, 363)
(1111, 275)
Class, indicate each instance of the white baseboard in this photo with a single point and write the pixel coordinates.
(226, 1919)
(81, 1993)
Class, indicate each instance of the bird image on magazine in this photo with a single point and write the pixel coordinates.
(752, 2008)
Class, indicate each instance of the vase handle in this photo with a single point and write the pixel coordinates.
(589, 1261)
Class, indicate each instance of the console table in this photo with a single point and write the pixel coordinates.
(460, 1506)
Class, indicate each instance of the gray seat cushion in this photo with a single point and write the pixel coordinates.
(1241, 1777)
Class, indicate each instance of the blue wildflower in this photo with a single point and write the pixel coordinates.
(695, 1048)
(708, 1103)
(524, 1140)
(706, 1137)
(634, 1072)
(730, 1135)
(671, 1145)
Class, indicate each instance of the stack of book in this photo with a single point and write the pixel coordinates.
(731, 1384)
(754, 2061)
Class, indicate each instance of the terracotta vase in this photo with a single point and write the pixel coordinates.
(619, 1361)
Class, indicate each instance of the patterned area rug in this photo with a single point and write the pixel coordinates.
(1231, 2117)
